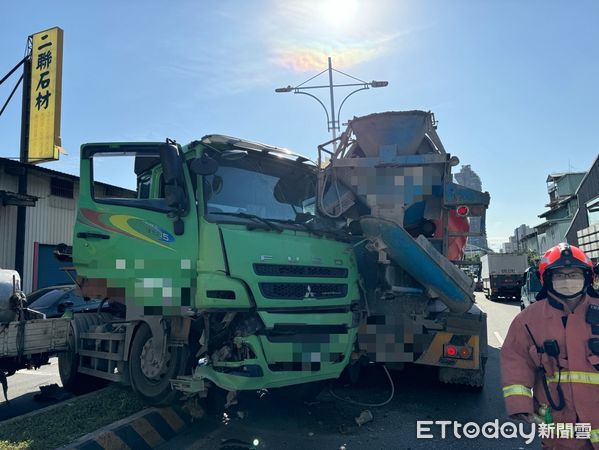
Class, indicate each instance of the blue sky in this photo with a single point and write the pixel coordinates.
(512, 83)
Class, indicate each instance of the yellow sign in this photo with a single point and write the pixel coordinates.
(45, 96)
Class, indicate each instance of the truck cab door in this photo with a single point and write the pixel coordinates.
(135, 237)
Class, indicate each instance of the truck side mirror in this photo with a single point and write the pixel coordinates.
(174, 184)
(204, 165)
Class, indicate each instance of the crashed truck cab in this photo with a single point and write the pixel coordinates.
(218, 265)
(390, 178)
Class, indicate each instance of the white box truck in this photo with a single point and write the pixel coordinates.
(502, 274)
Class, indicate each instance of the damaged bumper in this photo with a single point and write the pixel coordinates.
(284, 355)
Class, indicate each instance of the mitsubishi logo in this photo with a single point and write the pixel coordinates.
(309, 293)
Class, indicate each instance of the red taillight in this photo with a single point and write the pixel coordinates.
(451, 350)
(454, 351)
(462, 210)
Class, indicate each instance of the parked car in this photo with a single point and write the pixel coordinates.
(531, 285)
(53, 301)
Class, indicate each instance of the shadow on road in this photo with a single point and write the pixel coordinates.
(29, 402)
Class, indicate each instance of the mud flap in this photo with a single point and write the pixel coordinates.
(473, 378)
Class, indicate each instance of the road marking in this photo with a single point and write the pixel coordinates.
(499, 338)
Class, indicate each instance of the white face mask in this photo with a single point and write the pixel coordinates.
(568, 287)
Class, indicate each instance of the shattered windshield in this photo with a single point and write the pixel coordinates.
(264, 186)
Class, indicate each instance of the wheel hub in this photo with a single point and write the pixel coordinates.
(152, 364)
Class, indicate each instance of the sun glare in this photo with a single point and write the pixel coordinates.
(338, 12)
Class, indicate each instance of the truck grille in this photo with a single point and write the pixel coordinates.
(286, 270)
(298, 291)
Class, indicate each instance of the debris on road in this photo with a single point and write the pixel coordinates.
(50, 393)
(231, 399)
(364, 417)
(193, 407)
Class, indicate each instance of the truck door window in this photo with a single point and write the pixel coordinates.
(128, 179)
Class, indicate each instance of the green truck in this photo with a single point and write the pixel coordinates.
(218, 267)
(244, 266)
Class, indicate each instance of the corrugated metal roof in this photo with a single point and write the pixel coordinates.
(34, 168)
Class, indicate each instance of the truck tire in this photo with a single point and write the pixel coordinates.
(155, 389)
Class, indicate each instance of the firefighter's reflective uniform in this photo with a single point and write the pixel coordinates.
(575, 369)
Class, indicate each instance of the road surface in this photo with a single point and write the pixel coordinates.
(23, 388)
(329, 423)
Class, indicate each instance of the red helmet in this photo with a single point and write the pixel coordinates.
(564, 255)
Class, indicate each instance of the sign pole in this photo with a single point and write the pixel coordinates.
(22, 210)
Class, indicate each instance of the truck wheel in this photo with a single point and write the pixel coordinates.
(71, 379)
(150, 382)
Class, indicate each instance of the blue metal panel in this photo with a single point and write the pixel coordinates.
(48, 268)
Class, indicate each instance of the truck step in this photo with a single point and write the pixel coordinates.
(102, 355)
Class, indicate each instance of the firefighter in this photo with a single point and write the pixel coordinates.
(550, 357)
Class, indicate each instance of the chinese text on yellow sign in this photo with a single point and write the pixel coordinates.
(45, 93)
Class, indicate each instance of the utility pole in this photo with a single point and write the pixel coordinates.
(334, 114)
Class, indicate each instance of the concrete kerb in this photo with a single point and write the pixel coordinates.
(146, 429)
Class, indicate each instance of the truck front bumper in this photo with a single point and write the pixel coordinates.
(282, 361)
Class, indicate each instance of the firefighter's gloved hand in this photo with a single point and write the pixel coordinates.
(526, 417)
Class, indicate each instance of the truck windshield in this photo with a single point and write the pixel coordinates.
(267, 187)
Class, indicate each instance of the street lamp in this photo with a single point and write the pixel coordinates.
(332, 119)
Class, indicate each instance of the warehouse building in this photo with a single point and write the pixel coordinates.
(48, 213)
